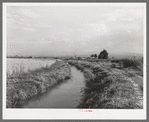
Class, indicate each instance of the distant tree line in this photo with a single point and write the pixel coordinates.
(95, 56)
(102, 55)
(19, 57)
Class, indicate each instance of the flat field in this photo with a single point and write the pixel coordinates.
(17, 66)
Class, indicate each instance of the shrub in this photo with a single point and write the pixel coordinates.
(103, 55)
(113, 65)
(79, 58)
(130, 63)
(126, 62)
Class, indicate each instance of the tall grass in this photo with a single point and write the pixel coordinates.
(18, 66)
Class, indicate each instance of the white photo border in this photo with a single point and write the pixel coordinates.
(58, 114)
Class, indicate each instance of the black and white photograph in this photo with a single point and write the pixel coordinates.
(74, 60)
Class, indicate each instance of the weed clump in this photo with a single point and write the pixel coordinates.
(128, 62)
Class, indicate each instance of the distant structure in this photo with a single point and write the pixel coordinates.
(75, 56)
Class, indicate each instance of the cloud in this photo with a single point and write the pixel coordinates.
(102, 28)
(78, 29)
(29, 13)
(83, 43)
(127, 19)
(28, 29)
(42, 25)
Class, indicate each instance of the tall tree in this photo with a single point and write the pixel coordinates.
(103, 55)
(92, 55)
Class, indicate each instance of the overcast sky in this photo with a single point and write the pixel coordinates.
(64, 30)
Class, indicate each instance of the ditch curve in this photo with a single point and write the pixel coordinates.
(66, 94)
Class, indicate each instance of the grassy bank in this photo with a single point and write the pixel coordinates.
(35, 82)
(108, 88)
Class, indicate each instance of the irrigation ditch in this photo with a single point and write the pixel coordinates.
(107, 89)
(66, 94)
(61, 86)
(27, 85)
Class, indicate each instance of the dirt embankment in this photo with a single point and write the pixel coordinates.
(27, 85)
(107, 89)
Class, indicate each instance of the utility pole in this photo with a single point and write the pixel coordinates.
(75, 56)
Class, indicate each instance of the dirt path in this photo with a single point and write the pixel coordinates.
(137, 82)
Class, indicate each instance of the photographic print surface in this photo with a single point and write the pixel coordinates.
(70, 58)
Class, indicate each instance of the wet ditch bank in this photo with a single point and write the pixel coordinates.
(66, 94)
(25, 86)
(105, 89)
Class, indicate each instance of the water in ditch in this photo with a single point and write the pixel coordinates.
(67, 94)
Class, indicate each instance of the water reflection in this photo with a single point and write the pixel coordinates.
(63, 95)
